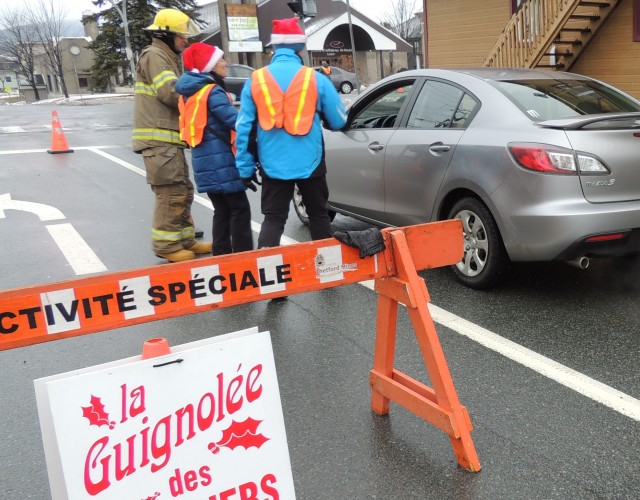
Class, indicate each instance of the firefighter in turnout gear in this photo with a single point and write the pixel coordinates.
(285, 102)
(156, 136)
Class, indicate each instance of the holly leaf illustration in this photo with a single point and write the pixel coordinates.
(96, 414)
(243, 434)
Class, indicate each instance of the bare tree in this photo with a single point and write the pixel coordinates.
(401, 19)
(19, 42)
(48, 17)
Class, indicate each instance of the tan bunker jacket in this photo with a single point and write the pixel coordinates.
(156, 114)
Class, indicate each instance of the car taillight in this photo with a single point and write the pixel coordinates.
(555, 160)
(605, 237)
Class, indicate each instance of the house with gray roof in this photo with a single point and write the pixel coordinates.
(379, 51)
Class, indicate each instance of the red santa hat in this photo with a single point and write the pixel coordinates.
(287, 32)
(201, 58)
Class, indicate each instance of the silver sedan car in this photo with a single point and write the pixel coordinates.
(538, 165)
(344, 81)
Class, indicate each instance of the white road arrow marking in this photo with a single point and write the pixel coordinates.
(44, 212)
(79, 255)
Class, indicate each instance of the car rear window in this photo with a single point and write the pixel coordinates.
(554, 99)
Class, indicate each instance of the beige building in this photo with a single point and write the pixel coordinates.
(77, 60)
(600, 39)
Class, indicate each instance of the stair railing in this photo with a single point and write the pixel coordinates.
(530, 31)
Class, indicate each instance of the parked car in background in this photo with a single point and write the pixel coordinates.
(237, 75)
(538, 165)
(343, 81)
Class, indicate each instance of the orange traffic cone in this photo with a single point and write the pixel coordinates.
(155, 347)
(58, 142)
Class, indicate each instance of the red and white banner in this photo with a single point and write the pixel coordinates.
(204, 422)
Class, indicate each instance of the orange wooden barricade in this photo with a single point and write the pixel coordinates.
(55, 311)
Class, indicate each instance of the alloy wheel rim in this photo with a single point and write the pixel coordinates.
(475, 244)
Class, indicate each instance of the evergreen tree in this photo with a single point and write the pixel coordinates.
(109, 46)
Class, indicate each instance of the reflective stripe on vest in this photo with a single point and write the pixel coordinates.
(194, 117)
(293, 110)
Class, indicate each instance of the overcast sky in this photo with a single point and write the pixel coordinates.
(74, 8)
(375, 9)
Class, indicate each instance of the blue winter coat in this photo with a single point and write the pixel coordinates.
(281, 155)
(214, 165)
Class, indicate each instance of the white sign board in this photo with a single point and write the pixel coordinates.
(202, 422)
(243, 29)
(243, 34)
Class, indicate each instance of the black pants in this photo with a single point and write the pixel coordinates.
(231, 223)
(276, 199)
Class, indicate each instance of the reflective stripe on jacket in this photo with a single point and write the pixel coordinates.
(294, 110)
(155, 118)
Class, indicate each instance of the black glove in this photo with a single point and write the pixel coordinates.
(249, 182)
(369, 241)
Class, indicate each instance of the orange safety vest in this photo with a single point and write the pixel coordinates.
(294, 110)
(193, 117)
(326, 71)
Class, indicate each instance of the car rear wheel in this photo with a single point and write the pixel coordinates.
(485, 260)
(346, 87)
(301, 210)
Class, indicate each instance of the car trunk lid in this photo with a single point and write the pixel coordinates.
(614, 139)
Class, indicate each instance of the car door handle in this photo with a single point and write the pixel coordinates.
(376, 146)
(438, 147)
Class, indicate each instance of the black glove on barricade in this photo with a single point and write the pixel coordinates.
(369, 241)
(249, 183)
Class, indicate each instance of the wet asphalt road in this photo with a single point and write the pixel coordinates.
(535, 437)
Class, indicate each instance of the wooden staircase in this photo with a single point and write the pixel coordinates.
(549, 33)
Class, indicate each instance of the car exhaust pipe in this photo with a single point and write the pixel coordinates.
(579, 262)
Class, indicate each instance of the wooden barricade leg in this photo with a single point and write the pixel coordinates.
(385, 348)
(440, 406)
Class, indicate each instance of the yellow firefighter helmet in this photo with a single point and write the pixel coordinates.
(173, 21)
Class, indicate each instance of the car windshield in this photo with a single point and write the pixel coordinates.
(554, 99)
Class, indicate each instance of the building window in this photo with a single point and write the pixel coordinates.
(83, 83)
(636, 20)
(7, 79)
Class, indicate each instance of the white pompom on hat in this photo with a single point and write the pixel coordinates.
(201, 58)
(287, 32)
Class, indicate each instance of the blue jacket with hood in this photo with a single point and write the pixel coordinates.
(214, 166)
(281, 155)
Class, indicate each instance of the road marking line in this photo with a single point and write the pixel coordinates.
(120, 162)
(79, 255)
(11, 130)
(589, 387)
(201, 200)
(578, 382)
(44, 212)
(76, 148)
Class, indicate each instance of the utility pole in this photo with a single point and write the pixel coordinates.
(302, 9)
(122, 12)
(353, 48)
